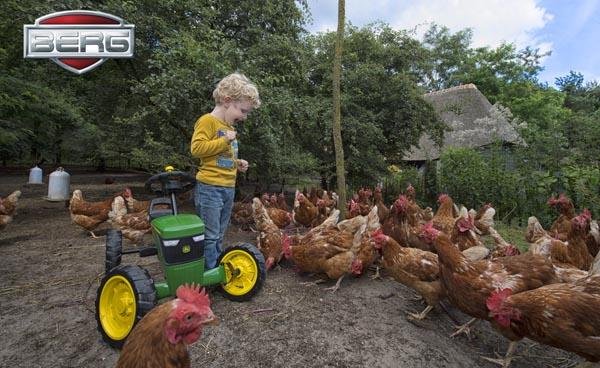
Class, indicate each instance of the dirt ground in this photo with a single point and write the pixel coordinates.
(50, 270)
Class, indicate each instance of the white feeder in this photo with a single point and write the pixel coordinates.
(58, 185)
(35, 175)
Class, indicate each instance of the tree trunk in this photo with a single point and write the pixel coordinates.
(337, 124)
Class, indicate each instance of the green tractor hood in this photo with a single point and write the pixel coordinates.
(179, 226)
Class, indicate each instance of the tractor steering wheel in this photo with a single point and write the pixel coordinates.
(171, 181)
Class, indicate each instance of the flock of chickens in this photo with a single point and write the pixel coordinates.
(550, 294)
(124, 212)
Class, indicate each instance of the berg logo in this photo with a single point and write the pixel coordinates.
(78, 40)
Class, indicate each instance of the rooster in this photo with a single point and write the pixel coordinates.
(269, 239)
(469, 284)
(160, 339)
(559, 315)
(132, 225)
(8, 205)
(89, 214)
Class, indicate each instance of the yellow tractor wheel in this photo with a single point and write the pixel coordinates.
(244, 272)
(125, 295)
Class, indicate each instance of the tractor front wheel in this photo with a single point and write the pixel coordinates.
(244, 272)
(125, 295)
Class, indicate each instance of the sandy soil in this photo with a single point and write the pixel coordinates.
(50, 270)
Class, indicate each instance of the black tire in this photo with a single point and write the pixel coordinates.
(114, 247)
(246, 260)
(121, 283)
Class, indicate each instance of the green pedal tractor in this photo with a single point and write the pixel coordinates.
(127, 292)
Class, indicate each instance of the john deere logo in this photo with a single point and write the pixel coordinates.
(78, 40)
(186, 249)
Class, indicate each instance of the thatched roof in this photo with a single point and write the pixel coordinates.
(464, 109)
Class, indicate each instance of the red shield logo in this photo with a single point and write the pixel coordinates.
(79, 40)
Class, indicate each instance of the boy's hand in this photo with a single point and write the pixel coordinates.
(242, 165)
(230, 135)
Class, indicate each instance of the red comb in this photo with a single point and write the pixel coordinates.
(377, 233)
(193, 294)
(496, 300)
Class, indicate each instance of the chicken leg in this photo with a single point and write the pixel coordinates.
(505, 362)
(335, 287)
(466, 329)
(421, 316)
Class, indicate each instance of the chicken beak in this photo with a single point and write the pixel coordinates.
(212, 320)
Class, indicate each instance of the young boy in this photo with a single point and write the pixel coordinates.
(214, 143)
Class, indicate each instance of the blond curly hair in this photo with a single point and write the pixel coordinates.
(238, 87)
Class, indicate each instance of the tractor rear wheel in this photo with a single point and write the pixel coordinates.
(125, 295)
(244, 272)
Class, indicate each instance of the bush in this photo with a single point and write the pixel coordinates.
(472, 179)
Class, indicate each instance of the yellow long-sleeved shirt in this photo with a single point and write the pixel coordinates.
(218, 157)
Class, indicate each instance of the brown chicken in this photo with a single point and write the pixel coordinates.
(444, 218)
(415, 268)
(403, 224)
(269, 239)
(281, 218)
(469, 284)
(281, 203)
(8, 206)
(593, 238)
(367, 253)
(561, 315)
(134, 205)
(382, 210)
(329, 250)
(89, 214)
(353, 209)
(424, 214)
(304, 210)
(573, 252)
(161, 338)
(364, 201)
(483, 218)
(463, 233)
(562, 225)
(133, 225)
(241, 215)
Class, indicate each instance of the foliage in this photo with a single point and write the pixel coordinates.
(142, 110)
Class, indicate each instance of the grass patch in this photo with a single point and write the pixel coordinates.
(511, 233)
